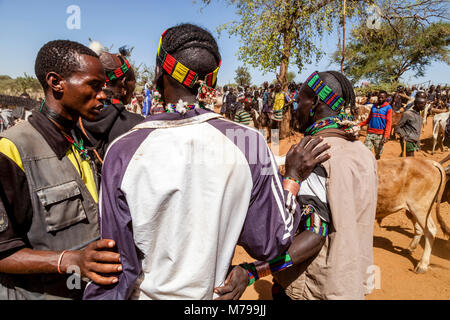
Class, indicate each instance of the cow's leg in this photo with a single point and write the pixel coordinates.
(434, 144)
(430, 232)
(418, 233)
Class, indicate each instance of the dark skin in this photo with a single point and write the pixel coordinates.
(300, 162)
(78, 95)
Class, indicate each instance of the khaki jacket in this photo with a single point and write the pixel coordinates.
(343, 267)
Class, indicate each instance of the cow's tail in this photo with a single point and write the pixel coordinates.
(444, 226)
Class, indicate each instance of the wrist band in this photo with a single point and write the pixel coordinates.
(260, 269)
(59, 261)
(291, 186)
(251, 273)
(292, 179)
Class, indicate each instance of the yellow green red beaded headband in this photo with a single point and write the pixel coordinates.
(325, 93)
(180, 72)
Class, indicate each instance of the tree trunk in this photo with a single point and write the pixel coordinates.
(285, 124)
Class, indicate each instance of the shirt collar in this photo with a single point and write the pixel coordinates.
(52, 134)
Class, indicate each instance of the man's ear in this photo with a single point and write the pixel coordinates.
(123, 85)
(158, 81)
(55, 81)
(315, 103)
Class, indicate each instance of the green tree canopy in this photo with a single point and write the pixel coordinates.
(291, 76)
(243, 77)
(399, 46)
(274, 33)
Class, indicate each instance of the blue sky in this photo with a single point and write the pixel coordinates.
(26, 25)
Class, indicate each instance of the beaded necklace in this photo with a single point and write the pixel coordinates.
(182, 107)
(206, 97)
(330, 122)
(322, 124)
(79, 146)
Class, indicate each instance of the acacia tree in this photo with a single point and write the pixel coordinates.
(409, 38)
(243, 77)
(274, 33)
(27, 82)
(384, 56)
(277, 33)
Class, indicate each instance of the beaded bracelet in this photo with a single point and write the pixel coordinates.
(292, 179)
(261, 269)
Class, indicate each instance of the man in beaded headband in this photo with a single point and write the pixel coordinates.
(322, 96)
(182, 61)
(180, 72)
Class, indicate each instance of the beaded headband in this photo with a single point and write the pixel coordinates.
(325, 93)
(120, 71)
(180, 72)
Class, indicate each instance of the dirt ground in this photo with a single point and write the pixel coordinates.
(398, 280)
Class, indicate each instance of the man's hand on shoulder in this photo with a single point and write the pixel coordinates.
(303, 157)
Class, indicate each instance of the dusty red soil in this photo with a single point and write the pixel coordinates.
(398, 280)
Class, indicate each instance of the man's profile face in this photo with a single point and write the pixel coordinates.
(83, 90)
(305, 100)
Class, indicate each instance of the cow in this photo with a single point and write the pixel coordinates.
(439, 123)
(426, 113)
(362, 111)
(413, 184)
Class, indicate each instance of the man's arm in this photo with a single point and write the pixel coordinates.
(270, 224)
(365, 122)
(92, 260)
(387, 131)
(402, 121)
(316, 218)
(16, 214)
(300, 162)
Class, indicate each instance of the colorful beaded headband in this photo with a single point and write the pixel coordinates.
(325, 93)
(120, 71)
(180, 72)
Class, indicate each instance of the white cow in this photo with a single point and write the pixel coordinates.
(439, 123)
(426, 113)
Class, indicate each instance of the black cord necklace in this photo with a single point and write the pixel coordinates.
(66, 124)
(52, 115)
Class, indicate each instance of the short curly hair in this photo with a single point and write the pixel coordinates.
(59, 56)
